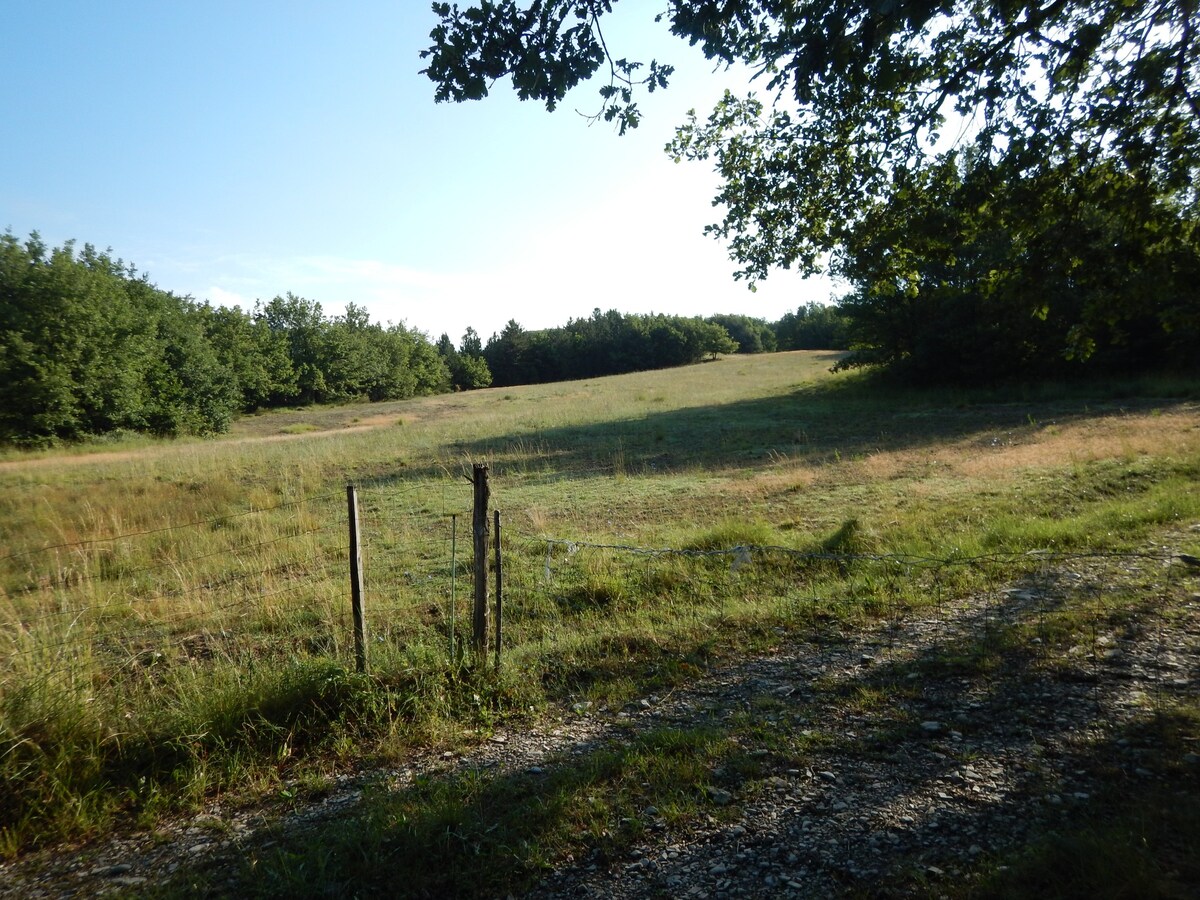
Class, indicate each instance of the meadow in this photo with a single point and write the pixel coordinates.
(175, 615)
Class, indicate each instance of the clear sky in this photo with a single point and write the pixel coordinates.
(239, 150)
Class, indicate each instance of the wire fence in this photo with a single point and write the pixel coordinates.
(273, 582)
(189, 592)
(1123, 624)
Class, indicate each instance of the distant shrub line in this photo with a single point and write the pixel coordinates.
(614, 343)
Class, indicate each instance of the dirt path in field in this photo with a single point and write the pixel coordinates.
(103, 456)
(923, 770)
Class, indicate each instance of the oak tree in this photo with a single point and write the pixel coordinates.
(864, 104)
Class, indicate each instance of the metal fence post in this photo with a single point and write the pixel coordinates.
(480, 529)
(356, 598)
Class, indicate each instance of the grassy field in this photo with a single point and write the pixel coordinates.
(175, 614)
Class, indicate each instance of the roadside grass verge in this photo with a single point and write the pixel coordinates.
(476, 834)
(480, 832)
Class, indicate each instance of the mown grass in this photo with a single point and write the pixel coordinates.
(210, 650)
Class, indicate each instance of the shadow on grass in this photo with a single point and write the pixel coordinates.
(817, 424)
(70, 773)
(860, 763)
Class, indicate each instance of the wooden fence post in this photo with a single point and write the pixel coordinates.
(356, 599)
(480, 527)
(453, 583)
(499, 591)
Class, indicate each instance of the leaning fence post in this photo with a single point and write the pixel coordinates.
(356, 600)
(480, 528)
(499, 591)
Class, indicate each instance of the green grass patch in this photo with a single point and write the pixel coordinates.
(175, 617)
(481, 834)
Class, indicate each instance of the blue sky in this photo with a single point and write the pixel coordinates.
(235, 151)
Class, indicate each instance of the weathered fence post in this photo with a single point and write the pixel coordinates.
(356, 599)
(499, 591)
(480, 526)
(453, 581)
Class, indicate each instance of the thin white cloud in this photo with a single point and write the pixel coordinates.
(636, 249)
(221, 297)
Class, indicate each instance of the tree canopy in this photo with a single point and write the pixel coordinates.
(606, 343)
(87, 346)
(876, 113)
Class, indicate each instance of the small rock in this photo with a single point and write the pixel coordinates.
(931, 727)
(719, 797)
(827, 776)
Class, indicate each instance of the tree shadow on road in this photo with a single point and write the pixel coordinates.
(971, 749)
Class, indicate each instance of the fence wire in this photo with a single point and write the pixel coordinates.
(218, 588)
(279, 588)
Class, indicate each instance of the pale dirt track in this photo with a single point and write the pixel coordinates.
(117, 456)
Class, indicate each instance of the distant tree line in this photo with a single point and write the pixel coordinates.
(612, 343)
(88, 347)
(606, 343)
(814, 326)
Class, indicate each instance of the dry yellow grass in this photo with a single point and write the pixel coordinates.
(165, 570)
(1004, 455)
